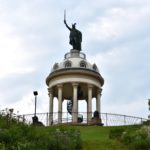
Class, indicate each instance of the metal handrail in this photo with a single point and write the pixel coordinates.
(108, 119)
(80, 54)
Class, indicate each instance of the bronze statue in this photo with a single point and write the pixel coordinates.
(75, 35)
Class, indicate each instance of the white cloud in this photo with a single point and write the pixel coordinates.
(118, 22)
(13, 57)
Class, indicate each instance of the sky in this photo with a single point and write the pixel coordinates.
(116, 36)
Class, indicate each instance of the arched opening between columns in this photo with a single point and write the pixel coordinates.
(59, 93)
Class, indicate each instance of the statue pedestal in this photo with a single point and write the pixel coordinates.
(96, 121)
(74, 53)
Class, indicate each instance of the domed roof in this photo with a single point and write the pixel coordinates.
(75, 60)
(75, 65)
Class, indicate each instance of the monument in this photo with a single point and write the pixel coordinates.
(74, 79)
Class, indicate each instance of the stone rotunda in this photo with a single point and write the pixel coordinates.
(74, 79)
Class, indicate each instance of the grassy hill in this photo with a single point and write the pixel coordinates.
(97, 138)
(18, 136)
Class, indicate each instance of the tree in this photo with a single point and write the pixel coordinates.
(149, 103)
(149, 108)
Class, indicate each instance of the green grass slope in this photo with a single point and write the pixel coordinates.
(97, 138)
(24, 136)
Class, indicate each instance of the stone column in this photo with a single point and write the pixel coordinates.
(50, 93)
(87, 107)
(59, 103)
(89, 111)
(98, 100)
(75, 103)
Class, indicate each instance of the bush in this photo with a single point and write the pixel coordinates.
(65, 140)
(2, 146)
(25, 146)
(128, 137)
(18, 136)
(5, 136)
(143, 144)
(137, 138)
(116, 133)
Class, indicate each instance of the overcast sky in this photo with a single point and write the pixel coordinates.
(116, 36)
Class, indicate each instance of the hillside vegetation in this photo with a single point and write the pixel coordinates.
(18, 136)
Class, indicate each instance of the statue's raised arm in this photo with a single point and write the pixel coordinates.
(75, 35)
(67, 25)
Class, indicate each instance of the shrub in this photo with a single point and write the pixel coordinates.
(128, 137)
(2, 146)
(116, 133)
(18, 136)
(138, 139)
(143, 144)
(25, 146)
(5, 136)
(65, 140)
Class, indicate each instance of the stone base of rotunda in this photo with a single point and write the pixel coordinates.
(96, 121)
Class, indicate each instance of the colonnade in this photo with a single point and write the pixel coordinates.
(75, 102)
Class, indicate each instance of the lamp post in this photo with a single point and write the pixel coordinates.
(35, 94)
(149, 109)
